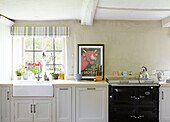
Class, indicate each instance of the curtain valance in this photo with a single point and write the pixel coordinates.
(52, 31)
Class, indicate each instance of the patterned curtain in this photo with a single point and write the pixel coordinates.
(46, 31)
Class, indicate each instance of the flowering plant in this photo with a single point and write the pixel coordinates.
(23, 68)
(33, 67)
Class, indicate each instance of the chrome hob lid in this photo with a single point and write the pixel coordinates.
(131, 80)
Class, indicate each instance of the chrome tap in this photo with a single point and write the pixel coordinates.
(38, 78)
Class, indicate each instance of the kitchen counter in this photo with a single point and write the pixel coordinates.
(56, 82)
(82, 82)
(6, 82)
(164, 84)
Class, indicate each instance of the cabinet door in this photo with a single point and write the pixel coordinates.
(0, 104)
(91, 104)
(5, 104)
(63, 105)
(165, 104)
(23, 110)
(42, 110)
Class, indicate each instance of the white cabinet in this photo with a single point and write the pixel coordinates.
(42, 111)
(63, 104)
(5, 103)
(33, 110)
(23, 110)
(91, 104)
(165, 104)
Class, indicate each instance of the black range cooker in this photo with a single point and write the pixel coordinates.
(133, 101)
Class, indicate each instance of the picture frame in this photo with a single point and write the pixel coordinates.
(90, 60)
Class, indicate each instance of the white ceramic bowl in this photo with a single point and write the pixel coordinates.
(77, 76)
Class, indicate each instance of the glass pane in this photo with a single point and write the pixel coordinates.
(58, 58)
(59, 43)
(28, 57)
(49, 57)
(49, 43)
(50, 68)
(38, 43)
(28, 43)
(58, 68)
(38, 57)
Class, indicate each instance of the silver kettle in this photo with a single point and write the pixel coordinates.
(144, 74)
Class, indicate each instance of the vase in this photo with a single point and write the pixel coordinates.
(18, 77)
(25, 76)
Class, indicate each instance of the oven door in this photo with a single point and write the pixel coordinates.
(148, 96)
(122, 114)
(148, 114)
(122, 96)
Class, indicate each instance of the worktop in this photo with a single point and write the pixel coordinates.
(58, 82)
(74, 82)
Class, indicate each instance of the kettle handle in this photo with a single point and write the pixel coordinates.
(145, 68)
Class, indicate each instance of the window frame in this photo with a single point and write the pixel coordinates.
(45, 50)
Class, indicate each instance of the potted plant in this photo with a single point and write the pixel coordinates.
(25, 74)
(54, 76)
(19, 73)
(34, 68)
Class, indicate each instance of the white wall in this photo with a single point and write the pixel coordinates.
(128, 44)
(5, 52)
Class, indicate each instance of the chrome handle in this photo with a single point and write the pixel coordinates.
(162, 95)
(137, 117)
(7, 95)
(132, 116)
(141, 96)
(141, 116)
(31, 108)
(91, 88)
(133, 97)
(63, 88)
(34, 109)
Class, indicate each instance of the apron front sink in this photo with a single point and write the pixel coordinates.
(32, 88)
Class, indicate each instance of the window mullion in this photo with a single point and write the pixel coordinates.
(33, 49)
(54, 53)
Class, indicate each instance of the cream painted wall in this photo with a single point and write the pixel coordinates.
(128, 44)
(5, 52)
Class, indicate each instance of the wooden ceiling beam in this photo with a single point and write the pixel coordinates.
(88, 11)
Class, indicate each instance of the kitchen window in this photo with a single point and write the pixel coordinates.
(52, 49)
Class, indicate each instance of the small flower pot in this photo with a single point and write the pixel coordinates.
(55, 77)
(25, 76)
(18, 77)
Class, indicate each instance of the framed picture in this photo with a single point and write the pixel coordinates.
(90, 60)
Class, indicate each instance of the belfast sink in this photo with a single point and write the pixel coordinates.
(32, 88)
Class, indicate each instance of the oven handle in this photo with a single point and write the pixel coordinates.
(133, 97)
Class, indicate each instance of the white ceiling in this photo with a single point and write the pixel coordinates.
(71, 9)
